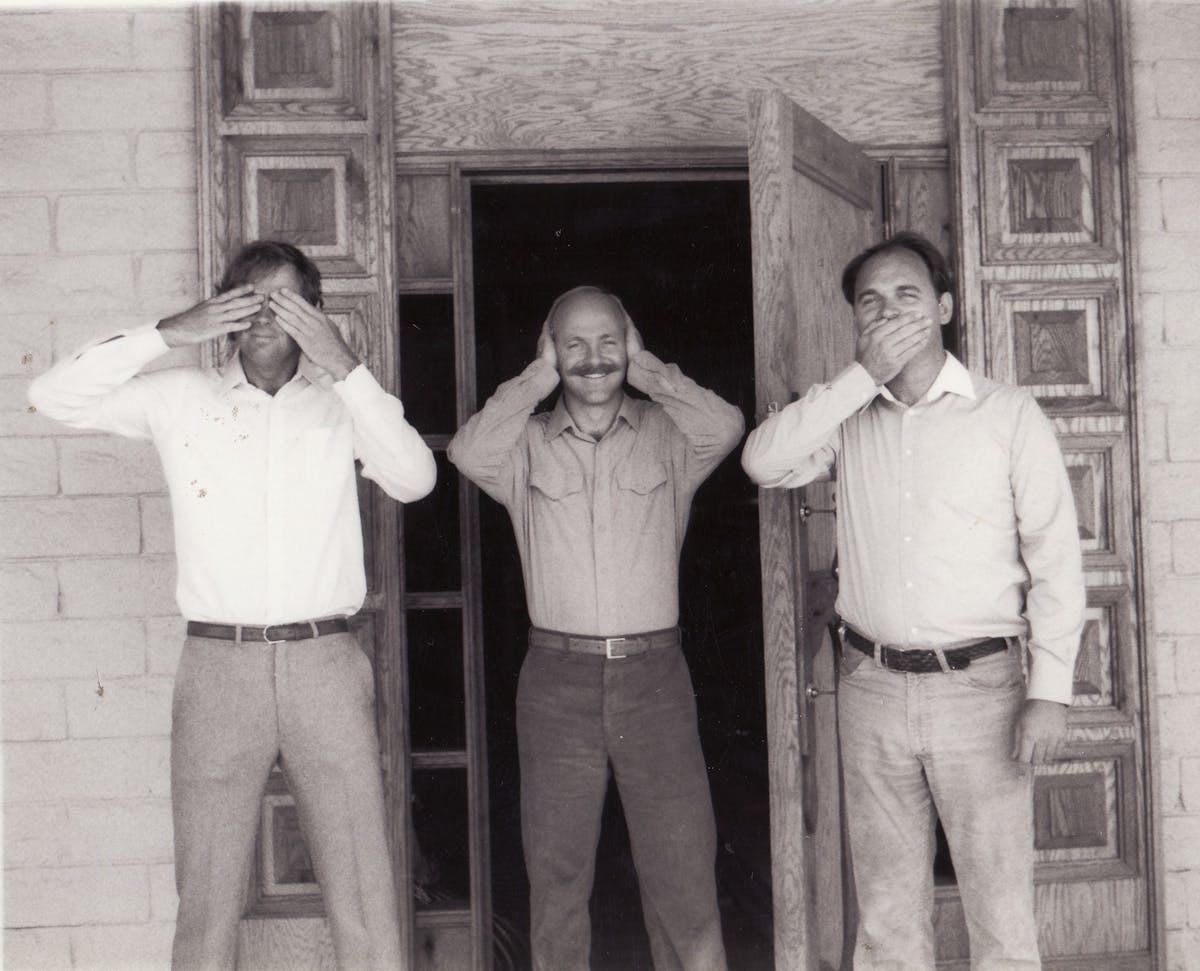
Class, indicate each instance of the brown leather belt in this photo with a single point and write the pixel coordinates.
(922, 661)
(612, 648)
(301, 630)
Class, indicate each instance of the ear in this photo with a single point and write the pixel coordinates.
(945, 308)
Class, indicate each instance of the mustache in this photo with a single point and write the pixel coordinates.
(581, 370)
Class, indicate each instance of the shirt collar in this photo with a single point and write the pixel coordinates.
(233, 374)
(953, 378)
(560, 418)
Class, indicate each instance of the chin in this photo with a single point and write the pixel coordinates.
(267, 345)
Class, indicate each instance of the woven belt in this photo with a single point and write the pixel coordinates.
(923, 661)
(612, 648)
(301, 630)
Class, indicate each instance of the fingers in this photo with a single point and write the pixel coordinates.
(287, 302)
(233, 294)
(545, 345)
(238, 309)
(633, 337)
(896, 330)
(1033, 749)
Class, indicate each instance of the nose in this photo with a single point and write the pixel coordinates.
(264, 314)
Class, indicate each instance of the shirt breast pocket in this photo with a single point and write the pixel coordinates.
(642, 480)
(326, 450)
(556, 484)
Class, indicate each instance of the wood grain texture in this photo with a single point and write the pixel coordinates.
(475, 76)
(1101, 918)
(802, 232)
(346, 128)
(919, 198)
(1075, 920)
(285, 945)
(423, 226)
(1042, 236)
(1055, 56)
(1048, 194)
(303, 63)
(770, 194)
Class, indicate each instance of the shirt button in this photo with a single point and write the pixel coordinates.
(908, 539)
(908, 495)
(908, 451)
(908, 584)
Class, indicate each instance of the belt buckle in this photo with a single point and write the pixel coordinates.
(268, 639)
(608, 647)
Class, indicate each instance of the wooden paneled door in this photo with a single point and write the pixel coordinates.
(295, 143)
(1036, 104)
(815, 203)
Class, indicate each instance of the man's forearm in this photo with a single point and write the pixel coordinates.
(797, 444)
(483, 446)
(392, 452)
(711, 424)
(82, 390)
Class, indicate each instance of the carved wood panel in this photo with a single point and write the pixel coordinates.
(1035, 101)
(1061, 339)
(1047, 195)
(313, 191)
(295, 60)
(1050, 55)
(296, 144)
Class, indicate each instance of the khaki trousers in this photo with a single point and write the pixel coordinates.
(238, 707)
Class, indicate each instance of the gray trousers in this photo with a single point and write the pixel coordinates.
(237, 707)
(577, 714)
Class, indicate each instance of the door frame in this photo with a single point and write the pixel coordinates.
(527, 167)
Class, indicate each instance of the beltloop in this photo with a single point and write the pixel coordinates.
(878, 655)
(941, 659)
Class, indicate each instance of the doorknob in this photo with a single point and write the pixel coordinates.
(811, 692)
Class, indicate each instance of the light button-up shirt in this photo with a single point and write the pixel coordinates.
(956, 520)
(599, 524)
(263, 488)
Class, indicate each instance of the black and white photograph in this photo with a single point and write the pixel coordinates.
(600, 485)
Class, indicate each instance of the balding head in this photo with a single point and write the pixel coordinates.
(586, 301)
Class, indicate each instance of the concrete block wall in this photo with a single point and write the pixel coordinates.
(97, 232)
(1166, 56)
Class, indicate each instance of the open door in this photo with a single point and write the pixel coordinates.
(813, 201)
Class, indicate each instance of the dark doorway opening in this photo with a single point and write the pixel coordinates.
(678, 254)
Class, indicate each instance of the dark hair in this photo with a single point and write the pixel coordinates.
(265, 256)
(939, 269)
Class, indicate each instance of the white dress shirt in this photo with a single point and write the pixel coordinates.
(955, 516)
(263, 488)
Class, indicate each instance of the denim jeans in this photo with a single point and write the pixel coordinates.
(576, 714)
(918, 744)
